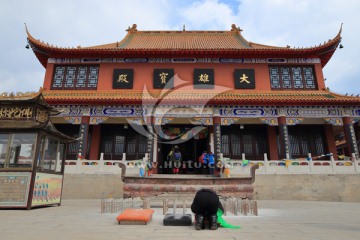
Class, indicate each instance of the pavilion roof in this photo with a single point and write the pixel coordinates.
(183, 44)
(206, 96)
(7, 98)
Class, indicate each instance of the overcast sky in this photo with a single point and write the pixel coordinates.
(66, 23)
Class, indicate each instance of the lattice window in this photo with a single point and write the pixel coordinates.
(58, 77)
(93, 77)
(81, 77)
(294, 145)
(119, 144)
(248, 145)
(319, 145)
(235, 143)
(306, 139)
(309, 77)
(297, 77)
(304, 145)
(70, 77)
(274, 77)
(260, 145)
(131, 144)
(73, 147)
(75, 77)
(118, 140)
(225, 144)
(286, 77)
(292, 77)
(251, 140)
(142, 144)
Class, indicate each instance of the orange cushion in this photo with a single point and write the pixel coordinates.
(143, 215)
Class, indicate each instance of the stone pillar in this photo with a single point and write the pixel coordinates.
(330, 140)
(95, 142)
(284, 137)
(350, 137)
(272, 144)
(83, 135)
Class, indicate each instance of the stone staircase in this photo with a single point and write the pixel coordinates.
(188, 185)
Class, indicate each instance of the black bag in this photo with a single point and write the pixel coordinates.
(177, 219)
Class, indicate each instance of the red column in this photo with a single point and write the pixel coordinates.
(330, 140)
(272, 144)
(95, 142)
(350, 137)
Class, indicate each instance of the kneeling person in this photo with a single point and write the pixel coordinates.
(205, 206)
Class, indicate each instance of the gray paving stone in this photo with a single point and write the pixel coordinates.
(81, 219)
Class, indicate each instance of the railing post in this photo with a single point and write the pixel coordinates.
(243, 158)
(333, 164)
(101, 162)
(265, 162)
(310, 162)
(222, 160)
(356, 163)
(146, 158)
(78, 165)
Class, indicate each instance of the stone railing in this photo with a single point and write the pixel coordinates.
(236, 166)
(293, 166)
(101, 166)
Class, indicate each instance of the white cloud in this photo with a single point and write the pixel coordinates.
(209, 15)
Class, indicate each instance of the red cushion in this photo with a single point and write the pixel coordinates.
(143, 215)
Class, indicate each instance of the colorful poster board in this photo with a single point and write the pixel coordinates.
(47, 189)
(14, 189)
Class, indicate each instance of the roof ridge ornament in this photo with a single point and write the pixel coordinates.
(341, 28)
(234, 28)
(132, 29)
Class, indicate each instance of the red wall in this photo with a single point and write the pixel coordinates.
(224, 74)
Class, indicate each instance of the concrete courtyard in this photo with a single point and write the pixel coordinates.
(81, 219)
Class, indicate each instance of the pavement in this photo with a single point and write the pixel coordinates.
(82, 219)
